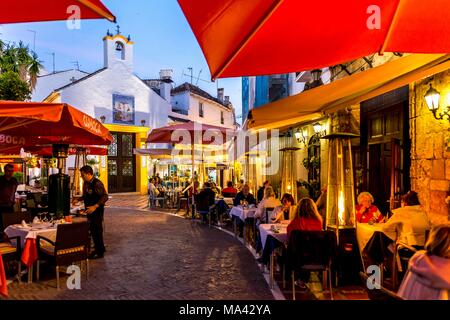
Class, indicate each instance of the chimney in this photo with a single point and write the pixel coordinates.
(227, 100)
(165, 76)
(220, 92)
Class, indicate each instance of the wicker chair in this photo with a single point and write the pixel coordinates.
(10, 250)
(72, 245)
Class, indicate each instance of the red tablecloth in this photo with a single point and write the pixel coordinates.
(29, 253)
(3, 283)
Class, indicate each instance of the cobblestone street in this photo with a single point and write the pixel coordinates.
(152, 255)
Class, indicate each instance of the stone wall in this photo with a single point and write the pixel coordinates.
(430, 156)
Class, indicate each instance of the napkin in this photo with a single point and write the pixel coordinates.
(36, 220)
(24, 224)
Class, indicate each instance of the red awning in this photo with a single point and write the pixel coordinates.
(50, 10)
(279, 36)
(30, 123)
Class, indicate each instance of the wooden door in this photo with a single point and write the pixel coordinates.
(121, 163)
(396, 174)
(385, 146)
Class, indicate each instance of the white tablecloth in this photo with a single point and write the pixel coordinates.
(265, 230)
(242, 213)
(42, 229)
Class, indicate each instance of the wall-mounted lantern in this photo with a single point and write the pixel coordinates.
(432, 97)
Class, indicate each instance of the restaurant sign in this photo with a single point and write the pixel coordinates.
(11, 140)
(91, 124)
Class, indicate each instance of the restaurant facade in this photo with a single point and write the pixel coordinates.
(401, 145)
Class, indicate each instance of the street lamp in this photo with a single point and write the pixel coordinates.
(432, 97)
(318, 130)
(301, 136)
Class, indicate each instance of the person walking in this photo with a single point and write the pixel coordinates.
(94, 197)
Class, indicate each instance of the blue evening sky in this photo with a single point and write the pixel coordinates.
(163, 40)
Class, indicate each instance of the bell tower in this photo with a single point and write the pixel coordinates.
(118, 50)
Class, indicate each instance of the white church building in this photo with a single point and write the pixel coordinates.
(127, 106)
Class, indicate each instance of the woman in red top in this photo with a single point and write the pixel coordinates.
(365, 211)
(307, 218)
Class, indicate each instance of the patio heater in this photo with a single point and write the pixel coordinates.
(59, 184)
(80, 161)
(45, 170)
(289, 167)
(340, 216)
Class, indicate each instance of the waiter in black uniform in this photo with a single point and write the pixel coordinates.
(94, 197)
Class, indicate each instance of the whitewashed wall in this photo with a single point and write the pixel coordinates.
(46, 84)
(94, 96)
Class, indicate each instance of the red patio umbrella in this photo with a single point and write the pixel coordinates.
(192, 134)
(279, 36)
(50, 10)
(29, 123)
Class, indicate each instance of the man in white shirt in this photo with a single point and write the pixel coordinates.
(410, 221)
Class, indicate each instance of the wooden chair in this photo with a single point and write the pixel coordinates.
(311, 251)
(72, 245)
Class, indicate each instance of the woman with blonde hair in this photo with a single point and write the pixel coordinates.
(269, 201)
(428, 275)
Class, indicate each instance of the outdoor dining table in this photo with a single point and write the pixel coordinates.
(276, 235)
(28, 237)
(241, 213)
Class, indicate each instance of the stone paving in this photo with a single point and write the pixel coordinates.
(152, 255)
(155, 254)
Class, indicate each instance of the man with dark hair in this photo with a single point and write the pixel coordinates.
(94, 197)
(410, 199)
(8, 187)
